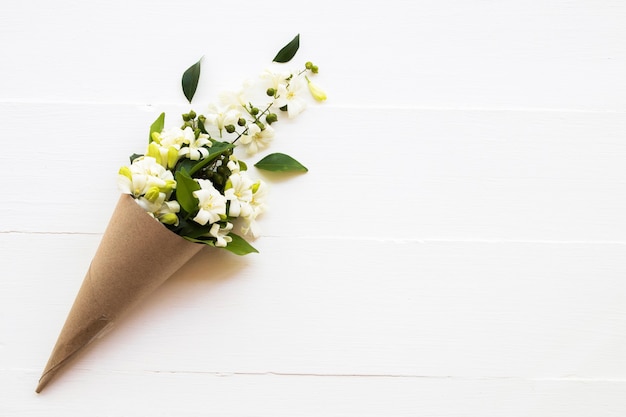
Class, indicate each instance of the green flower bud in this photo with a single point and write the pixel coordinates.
(229, 128)
(186, 117)
(156, 137)
(169, 218)
(125, 171)
(271, 118)
(254, 111)
(223, 170)
(154, 151)
(218, 180)
(315, 69)
(317, 93)
(192, 114)
(241, 121)
(308, 65)
(169, 186)
(172, 157)
(152, 195)
(271, 92)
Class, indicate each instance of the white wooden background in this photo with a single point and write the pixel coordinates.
(457, 248)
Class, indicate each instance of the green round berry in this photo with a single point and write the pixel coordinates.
(218, 179)
(271, 118)
(241, 121)
(229, 128)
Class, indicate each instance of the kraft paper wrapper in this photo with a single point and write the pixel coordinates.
(136, 255)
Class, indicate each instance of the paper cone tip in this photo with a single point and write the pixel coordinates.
(127, 266)
(43, 381)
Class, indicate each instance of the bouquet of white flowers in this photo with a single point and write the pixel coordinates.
(187, 190)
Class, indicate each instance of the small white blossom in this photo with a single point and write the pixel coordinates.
(221, 234)
(221, 116)
(256, 139)
(211, 205)
(274, 79)
(167, 213)
(166, 145)
(257, 204)
(291, 95)
(238, 191)
(233, 164)
(142, 175)
(196, 147)
(174, 137)
(148, 182)
(235, 99)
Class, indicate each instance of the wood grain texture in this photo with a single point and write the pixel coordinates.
(456, 249)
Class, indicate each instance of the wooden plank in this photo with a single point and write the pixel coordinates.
(341, 306)
(533, 54)
(456, 175)
(229, 395)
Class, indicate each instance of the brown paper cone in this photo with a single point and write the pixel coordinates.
(135, 256)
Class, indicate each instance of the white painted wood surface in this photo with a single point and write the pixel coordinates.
(457, 248)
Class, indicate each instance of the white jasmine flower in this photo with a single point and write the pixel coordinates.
(233, 164)
(291, 95)
(166, 156)
(195, 149)
(167, 212)
(221, 234)
(221, 116)
(238, 191)
(234, 99)
(211, 205)
(256, 139)
(251, 226)
(151, 205)
(173, 137)
(274, 79)
(257, 204)
(166, 145)
(145, 174)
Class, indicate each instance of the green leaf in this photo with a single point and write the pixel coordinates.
(203, 241)
(239, 246)
(190, 80)
(217, 149)
(157, 126)
(185, 186)
(288, 51)
(279, 162)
